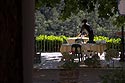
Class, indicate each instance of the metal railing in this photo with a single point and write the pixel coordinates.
(47, 46)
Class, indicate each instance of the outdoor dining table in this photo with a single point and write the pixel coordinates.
(100, 48)
(72, 39)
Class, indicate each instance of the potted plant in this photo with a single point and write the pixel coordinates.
(93, 61)
(69, 70)
(110, 54)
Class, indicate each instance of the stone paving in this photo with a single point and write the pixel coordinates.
(47, 70)
(53, 60)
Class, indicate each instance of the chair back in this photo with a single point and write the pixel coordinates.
(79, 41)
(76, 48)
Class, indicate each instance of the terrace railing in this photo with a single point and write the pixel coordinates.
(46, 46)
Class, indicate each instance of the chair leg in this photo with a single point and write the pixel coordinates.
(81, 57)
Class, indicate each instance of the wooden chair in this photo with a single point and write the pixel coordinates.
(77, 51)
(79, 41)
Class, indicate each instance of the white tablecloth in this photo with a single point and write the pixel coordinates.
(72, 40)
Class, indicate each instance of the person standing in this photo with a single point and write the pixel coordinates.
(86, 27)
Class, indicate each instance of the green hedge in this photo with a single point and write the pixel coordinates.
(46, 43)
(111, 42)
(50, 43)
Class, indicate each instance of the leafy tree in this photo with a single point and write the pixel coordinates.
(39, 23)
(48, 20)
(106, 8)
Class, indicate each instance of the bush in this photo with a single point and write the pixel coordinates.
(111, 42)
(50, 43)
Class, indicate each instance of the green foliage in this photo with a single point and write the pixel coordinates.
(93, 61)
(51, 37)
(107, 39)
(99, 38)
(49, 43)
(106, 8)
(114, 43)
(119, 21)
(69, 61)
(49, 40)
(48, 20)
(111, 53)
(50, 3)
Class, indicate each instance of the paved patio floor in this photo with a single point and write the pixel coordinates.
(47, 70)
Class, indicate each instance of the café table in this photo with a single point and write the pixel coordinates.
(99, 48)
(72, 39)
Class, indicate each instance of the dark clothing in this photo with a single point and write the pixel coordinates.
(89, 30)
